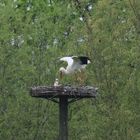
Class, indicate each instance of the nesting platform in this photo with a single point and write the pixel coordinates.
(64, 91)
(63, 95)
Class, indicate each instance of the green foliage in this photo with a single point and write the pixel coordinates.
(35, 33)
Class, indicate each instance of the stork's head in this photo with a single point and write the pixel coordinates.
(62, 71)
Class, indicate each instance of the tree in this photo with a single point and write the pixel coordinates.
(34, 34)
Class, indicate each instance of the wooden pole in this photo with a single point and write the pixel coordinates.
(63, 118)
(66, 95)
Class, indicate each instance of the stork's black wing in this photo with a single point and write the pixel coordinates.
(84, 60)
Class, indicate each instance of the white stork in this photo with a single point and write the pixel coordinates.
(75, 63)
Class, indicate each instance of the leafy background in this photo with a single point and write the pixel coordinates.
(34, 34)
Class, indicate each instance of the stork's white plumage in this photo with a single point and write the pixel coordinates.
(56, 83)
(75, 63)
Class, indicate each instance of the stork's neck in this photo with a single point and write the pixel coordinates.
(63, 70)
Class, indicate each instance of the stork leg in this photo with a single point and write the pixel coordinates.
(82, 77)
(79, 78)
(75, 78)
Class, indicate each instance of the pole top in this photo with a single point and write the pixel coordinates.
(61, 91)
